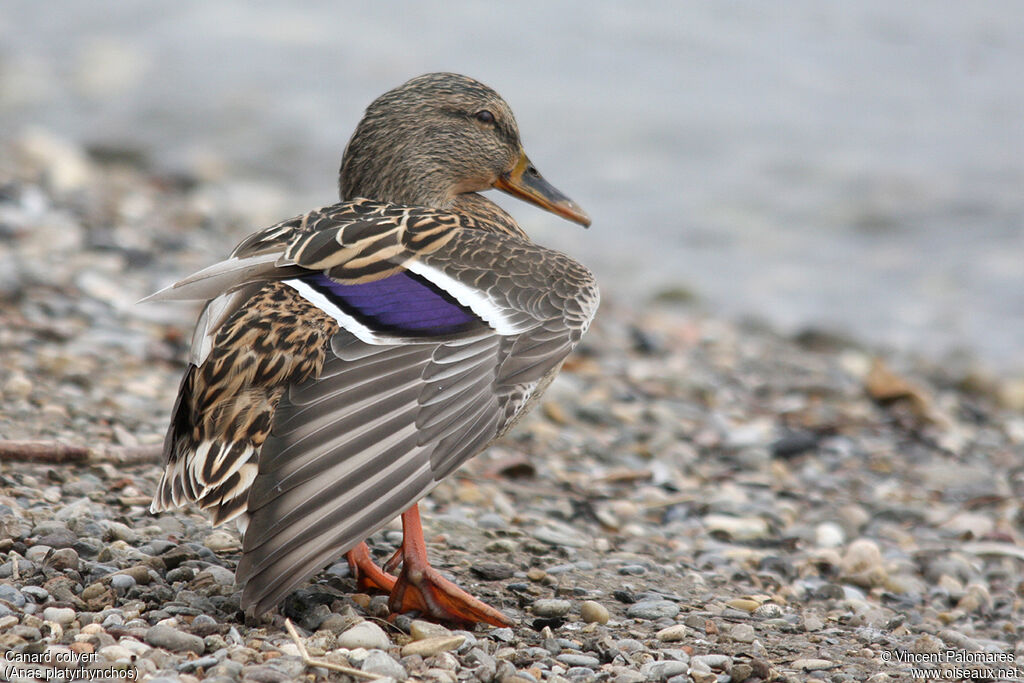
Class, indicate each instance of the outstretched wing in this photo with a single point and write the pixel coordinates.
(448, 332)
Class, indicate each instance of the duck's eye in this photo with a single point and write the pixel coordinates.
(485, 116)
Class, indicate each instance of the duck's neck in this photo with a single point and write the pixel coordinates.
(489, 215)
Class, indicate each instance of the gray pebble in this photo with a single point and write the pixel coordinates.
(743, 633)
(491, 520)
(201, 663)
(555, 537)
(261, 673)
(582, 673)
(632, 570)
(174, 640)
(25, 568)
(365, 634)
(653, 609)
(629, 645)
(713, 661)
(180, 574)
(61, 538)
(378, 662)
(38, 594)
(12, 595)
(551, 607)
(505, 635)
(579, 660)
(486, 665)
(470, 641)
(37, 553)
(660, 671)
(122, 583)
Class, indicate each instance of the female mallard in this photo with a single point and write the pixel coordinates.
(349, 358)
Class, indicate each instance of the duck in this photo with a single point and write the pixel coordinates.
(348, 359)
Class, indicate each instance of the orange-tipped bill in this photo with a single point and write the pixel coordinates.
(526, 182)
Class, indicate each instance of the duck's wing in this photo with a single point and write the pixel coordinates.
(447, 332)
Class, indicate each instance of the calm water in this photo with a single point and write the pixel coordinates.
(857, 166)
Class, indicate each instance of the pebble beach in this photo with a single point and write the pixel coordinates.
(695, 499)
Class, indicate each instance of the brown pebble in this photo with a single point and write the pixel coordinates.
(594, 612)
(139, 572)
(536, 574)
(361, 599)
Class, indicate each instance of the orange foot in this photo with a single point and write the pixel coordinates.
(419, 586)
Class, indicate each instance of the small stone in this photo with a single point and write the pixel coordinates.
(122, 583)
(594, 612)
(813, 623)
(743, 633)
(862, 564)
(579, 660)
(140, 573)
(174, 640)
(829, 535)
(428, 647)
(672, 634)
(712, 661)
(551, 607)
(365, 634)
(114, 653)
(813, 664)
(222, 542)
(493, 571)
(116, 531)
(180, 574)
(743, 604)
(653, 609)
(58, 538)
(741, 672)
(555, 537)
(12, 595)
(505, 635)
(17, 386)
(378, 662)
(737, 528)
(59, 615)
(536, 574)
(221, 576)
(64, 558)
(38, 594)
(421, 630)
(768, 610)
(661, 671)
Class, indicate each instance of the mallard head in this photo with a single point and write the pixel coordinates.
(439, 136)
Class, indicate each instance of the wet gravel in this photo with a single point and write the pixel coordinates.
(694, 500)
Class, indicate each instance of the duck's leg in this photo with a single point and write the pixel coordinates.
(421, 587)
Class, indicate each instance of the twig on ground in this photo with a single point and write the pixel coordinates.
(58, 453)
(53, 452)
(321, 664)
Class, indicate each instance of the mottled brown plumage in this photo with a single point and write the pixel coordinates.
(349, 358)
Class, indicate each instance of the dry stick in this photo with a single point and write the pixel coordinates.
(57, 453)
(321, 664)
(52, 452)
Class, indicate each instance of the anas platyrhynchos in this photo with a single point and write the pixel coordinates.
(350, 358)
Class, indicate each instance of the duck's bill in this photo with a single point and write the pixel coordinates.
(526, 182)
